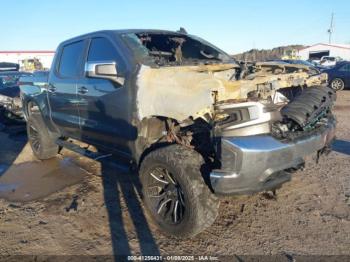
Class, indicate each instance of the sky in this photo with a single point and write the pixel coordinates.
(232, 25)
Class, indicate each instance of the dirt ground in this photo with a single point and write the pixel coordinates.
(73, 205)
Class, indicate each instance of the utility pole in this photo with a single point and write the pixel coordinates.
(330, 30)
(254, 52)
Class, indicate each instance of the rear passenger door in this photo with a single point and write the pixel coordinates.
(103, 105)
(62, 90)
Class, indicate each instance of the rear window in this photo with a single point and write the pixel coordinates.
(329, 58)
(71, 58)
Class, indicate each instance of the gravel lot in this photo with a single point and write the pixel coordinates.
(73, 205)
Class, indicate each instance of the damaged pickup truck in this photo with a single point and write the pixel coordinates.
(10, 102)
(196, 123)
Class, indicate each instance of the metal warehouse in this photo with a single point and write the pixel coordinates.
(319, 50)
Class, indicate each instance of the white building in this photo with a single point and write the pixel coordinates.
(315, 52)
(45, 57)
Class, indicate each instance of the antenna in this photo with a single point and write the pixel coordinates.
(330, 30)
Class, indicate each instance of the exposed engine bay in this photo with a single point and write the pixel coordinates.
(173, 49)
(200, 93)
(309, 109)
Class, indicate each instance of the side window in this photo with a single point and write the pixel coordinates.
(345, 68)
(101, 49)
(71, 59)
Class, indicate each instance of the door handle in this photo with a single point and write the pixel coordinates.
(83, 90)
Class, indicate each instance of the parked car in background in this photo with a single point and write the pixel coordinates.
(10, 102)
(339, 76)
(307, 63)
(329, 61)
(6, 66)
(315, 69)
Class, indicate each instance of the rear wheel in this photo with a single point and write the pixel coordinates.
(42, 144)
(337, 84)
(175, 193)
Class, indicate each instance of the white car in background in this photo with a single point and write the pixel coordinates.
(329, 60)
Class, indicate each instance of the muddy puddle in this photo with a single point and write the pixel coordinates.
(36, 179)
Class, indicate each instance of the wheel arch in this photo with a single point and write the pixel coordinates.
(159, 132)
(151, 130)
(38, 105)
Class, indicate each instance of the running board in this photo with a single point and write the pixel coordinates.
(82, 151)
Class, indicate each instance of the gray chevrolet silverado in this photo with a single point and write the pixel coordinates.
(195, 123)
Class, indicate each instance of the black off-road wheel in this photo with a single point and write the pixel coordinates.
(175, 193)
(42, 144)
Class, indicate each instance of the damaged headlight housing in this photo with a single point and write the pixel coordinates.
(241, 119)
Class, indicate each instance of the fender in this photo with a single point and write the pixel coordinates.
(36, 93)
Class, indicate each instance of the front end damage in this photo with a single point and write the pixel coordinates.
(10, 105)
(10, 101)
(255, 163)
(270, 141)
(254, 124)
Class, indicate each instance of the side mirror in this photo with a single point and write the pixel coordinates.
(104, 70)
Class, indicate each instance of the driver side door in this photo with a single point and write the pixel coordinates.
(103, 103)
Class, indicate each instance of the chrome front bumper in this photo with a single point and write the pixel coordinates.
(254, 163)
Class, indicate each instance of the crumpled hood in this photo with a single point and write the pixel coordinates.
(178, 92)
(182, 91)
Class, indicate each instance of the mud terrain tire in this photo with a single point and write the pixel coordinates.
(42, 144)
(187, 169)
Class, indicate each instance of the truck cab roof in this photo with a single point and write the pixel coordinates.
(124, 31)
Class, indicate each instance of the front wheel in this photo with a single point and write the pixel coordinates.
(337, 84)
(175, 193)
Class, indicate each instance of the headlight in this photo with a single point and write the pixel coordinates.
(240, 115)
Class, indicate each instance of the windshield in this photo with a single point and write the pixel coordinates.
(328, 58)
(174, 49)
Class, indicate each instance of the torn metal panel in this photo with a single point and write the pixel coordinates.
(180, 92)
